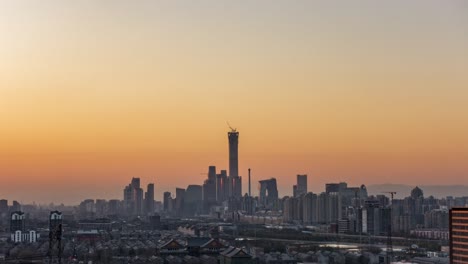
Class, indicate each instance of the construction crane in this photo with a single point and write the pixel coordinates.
(232, 129)
(389, 234)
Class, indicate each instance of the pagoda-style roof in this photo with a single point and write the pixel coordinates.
(171, 244)
(213, 243)
(233, 252)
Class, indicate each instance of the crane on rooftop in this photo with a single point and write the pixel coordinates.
(232, 129)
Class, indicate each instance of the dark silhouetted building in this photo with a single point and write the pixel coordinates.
(133, 198)
(233, 137)
(166, 201)
(417, 193)
(149, 199)
(87, 209)
(248, 204)
(234, 180)
(114, 207)
(179, 201)
(3, 206)
(309, 214)
(221, 186)
(335, 187)
(347, 194)
(193, 200)
(301, 186)
(16, 206)
(101, 207)
(268, 193)
(209, 189)
(375, 218)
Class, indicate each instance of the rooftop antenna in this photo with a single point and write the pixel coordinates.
(232, 129)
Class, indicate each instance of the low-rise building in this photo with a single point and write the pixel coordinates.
(233, 255)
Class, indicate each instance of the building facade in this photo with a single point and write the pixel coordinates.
(458, 235)
(268, 193)
(301, 186)
(234, 180)
(18, 231)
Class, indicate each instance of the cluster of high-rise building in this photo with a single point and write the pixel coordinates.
(220, 189)
(338, 209)
(345, 209)
(324, 208)
(351, 210)
(136, 201)
(311, 208)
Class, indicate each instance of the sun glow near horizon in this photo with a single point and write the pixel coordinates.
(94, 93)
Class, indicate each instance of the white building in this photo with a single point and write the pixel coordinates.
(24, 237)
(19, 234)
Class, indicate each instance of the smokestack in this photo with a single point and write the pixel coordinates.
(250, 195)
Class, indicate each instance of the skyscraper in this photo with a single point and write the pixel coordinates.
(149, 199)
(301, 186)
(135, 182)
(179, 201)
(309, 214)
(193, 200)
(209, 186)
(268, 193)
(221, 186)
(233, 137)
(133, 197)
(234, 180)
(166, 201)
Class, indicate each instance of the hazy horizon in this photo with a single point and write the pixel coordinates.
(93, 93)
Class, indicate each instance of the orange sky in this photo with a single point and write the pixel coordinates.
(93, 93)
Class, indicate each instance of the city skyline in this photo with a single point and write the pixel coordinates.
(213, 187)
(93, 94)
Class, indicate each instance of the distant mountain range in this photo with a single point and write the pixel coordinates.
(438, 191)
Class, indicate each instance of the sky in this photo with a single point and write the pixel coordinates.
(93, 93)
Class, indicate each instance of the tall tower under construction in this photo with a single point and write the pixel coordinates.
(233, 137)
(234, 180)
